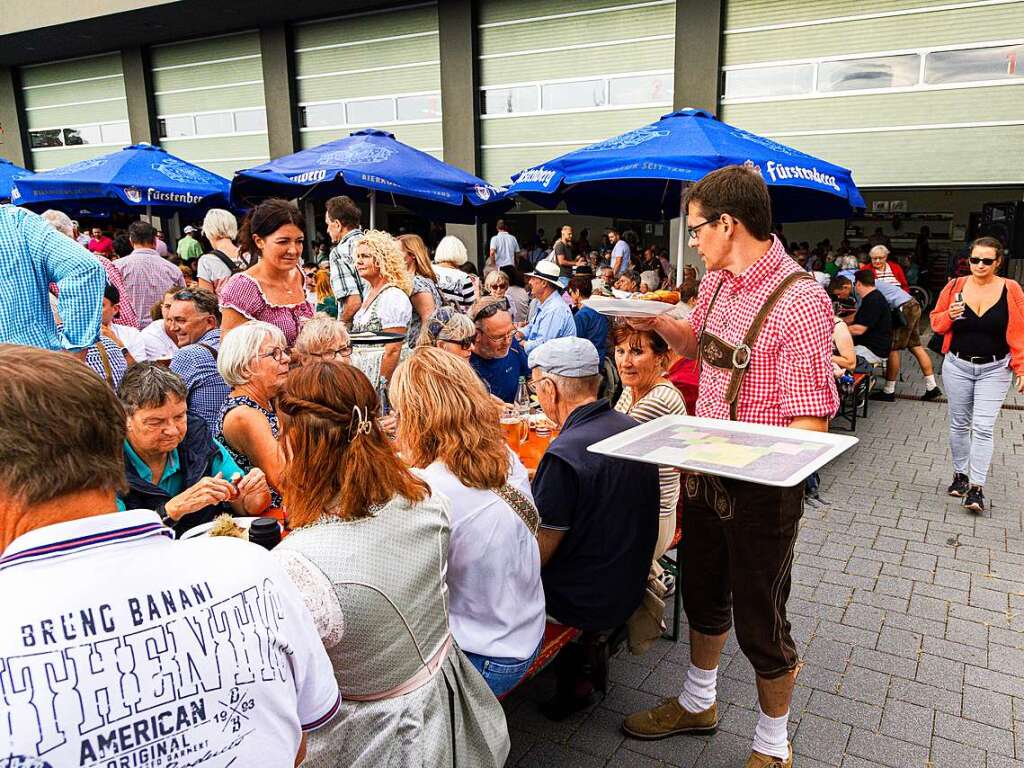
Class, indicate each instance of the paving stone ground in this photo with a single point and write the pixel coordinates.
(908, 610)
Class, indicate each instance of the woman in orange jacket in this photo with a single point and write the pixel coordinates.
(982, 319)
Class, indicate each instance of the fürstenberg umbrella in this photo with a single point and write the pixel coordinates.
(372, 164)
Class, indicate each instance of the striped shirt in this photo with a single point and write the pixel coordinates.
(662, 400)
(147, 276)
(33, 255)
(197, 367)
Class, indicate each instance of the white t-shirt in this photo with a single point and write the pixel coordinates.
(132, 340)
(496, 596)
(505, 247)
(157, 344)
(392, 308)
(122, 646)
(212, 269)
(455, 287)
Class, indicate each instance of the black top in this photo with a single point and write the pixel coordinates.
(875, 315)
(608, 509)
(565, 251)
(983, 336)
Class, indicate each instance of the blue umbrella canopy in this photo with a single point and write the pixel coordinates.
(140, 178)
(641, 173)
(9, 173)
(373, 161)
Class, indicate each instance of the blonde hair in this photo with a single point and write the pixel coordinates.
(318, 334)
(448, 416)
(496, 278)
(220, 223)
(451, 250)
(421, 257)
(388, 257)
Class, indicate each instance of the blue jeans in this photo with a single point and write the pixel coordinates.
(975, 394)
(501, 675)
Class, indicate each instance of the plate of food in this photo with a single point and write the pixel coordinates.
(224, 525)
(641, 305)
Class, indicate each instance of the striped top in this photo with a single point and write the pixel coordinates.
(663, 399)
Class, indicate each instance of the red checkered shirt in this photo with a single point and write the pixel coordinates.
(790, 372)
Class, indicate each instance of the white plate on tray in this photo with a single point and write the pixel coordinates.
(627, 307)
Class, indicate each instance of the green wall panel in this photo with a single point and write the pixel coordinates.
(627, 57)
(411, 80)
(224, 146)
(884, 109)
(235, 97)
(424, 135)
(59, 117)
(74, 92)
(492, 11)
(997, 22)
(206, 49)
(761, 13)
(227, 168)
(369, 27)
(924, 157)
(592, 126)
(363, 57)
(208, 74)
(55, 158)
(74, 69)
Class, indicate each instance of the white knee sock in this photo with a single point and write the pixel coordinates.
(699, 689)
(929, 382)
(890, 387)
(771, 736)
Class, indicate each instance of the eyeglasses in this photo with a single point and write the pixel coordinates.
(340, 352)
(466, 343)
(692, 231)
(531, 385)
(279, 354)
(979, 260)
(502, 338)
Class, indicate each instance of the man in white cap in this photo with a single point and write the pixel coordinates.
(554, 318)
(189, 249)
(599, 516)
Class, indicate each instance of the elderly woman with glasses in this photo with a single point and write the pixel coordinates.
(173, 466)
(451, 331)
(253, 361)
(322, 338)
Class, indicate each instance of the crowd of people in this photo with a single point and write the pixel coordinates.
(358, 401)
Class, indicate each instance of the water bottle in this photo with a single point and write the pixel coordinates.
(265, 532)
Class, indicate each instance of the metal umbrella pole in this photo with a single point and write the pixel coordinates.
(373, 209)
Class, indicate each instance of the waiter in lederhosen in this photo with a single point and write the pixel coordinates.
(763, 330)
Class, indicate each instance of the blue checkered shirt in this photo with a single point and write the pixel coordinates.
(33, 255)
(197, 368)
(345, 281)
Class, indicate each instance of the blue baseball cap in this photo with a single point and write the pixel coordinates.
(570, 356)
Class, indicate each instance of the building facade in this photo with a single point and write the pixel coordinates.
(922, 99)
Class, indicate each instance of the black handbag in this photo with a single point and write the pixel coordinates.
(935, 343)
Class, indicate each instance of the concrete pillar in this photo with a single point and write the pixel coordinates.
(696, 77)
(138, 89)
(460, 125)
(279, 90)
(14, 144)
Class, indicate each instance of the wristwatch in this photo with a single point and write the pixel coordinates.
(166, 519)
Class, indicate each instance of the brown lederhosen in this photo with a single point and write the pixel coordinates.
(737, 537)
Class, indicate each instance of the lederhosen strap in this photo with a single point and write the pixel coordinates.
(521, 505)
(209, 349)
(721, 354)
(105, 359)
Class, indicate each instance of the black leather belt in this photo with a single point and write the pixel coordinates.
(978, 359)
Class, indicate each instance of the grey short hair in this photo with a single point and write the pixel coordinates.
(575, 389)
(149, 385)
(451, 250)
(239, 348)
(220, 223)
(879, 249)
(59, 221)
(319, 333)
(495, 278)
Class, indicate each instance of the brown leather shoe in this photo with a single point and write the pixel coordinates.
(757, 760)
(670, 719)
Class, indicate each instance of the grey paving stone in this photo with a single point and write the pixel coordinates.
(725, 749)
(899, 642)
(978, 735)
(824, 740)
(844, 710)
(885, 663)
(956, 651)
(830, 654)
(1010, 660)
(545, 754)
(681, 751)
(953, 754)
(626, 700)
(925, 695)
(989, 707)
(866, 685)
(626, 672)
(967, 632)
(625, 758)
(864, 617)
(1001, 761)
(666, 679)
(603, 733)
(908, 722)
(942, 673)
(885, 750)
(928, 607)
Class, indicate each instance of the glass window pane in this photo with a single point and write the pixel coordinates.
(419, 107)
(251, 120)
(41, 139)
(858, 74)
(116, 133)
(218, 122)
(640, 89)
(579, 95)
(176, 127)
(320, 115)
(785, 80)
(76, 137)
(506, 101)
(371, 111)
(979, 64)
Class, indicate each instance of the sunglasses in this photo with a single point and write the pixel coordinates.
(466, 343)
(979, 260)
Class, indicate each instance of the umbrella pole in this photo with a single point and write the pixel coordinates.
(681, 238)
(373, 209)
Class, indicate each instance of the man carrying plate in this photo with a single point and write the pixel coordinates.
(763, 331)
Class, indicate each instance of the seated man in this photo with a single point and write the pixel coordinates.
(589, 323)
(599, 515)
(174, 466)
(194, 321)
(497, 357)
(905, 335)
(871, 327)
(122, 644)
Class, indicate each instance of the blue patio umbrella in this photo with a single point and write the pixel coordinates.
(140, 178)
(9, 173)
(372, 164)
(641, 173)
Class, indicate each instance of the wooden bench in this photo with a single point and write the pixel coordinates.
(556, 637)
(848, 402)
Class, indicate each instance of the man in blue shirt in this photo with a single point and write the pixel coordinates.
(194, 322)
(497, 357)
(554, 318)
(32, 255)
(590, 325)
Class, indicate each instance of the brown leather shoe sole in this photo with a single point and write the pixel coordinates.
(704, 730)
